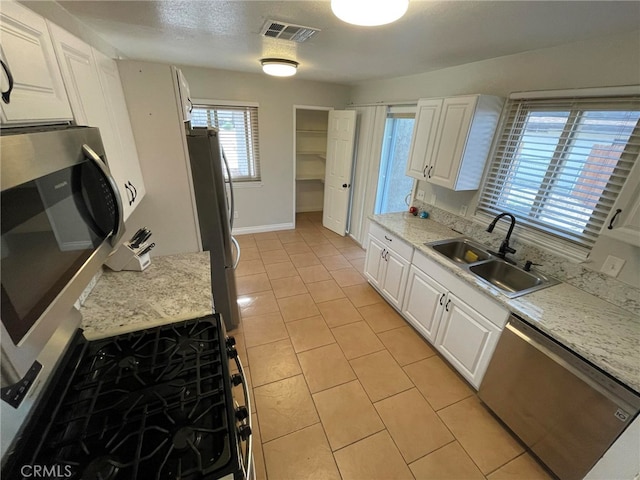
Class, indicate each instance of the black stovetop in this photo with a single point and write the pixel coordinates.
(149, 404)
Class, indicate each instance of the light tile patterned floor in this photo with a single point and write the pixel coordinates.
(343, 387)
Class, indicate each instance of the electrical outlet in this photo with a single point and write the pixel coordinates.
(612, 265)
(235, 214)
(433, 199)
(463, 211)
(420, 195)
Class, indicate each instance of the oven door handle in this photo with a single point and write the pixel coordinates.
(247, 400)
(118, 228)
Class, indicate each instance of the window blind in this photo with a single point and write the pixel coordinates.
(238, 133)
(559, 163)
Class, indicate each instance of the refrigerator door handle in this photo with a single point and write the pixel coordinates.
(237, 245)
(232, 206)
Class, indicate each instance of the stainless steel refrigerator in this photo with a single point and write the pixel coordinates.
(213, 189)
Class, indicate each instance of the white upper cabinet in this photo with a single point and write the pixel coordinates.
(32, 87)
(452, 138)
(125, 168)
(624, 221)
(424, 137)
(97, 100)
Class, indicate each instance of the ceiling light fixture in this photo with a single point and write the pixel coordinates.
(279, 67)
(369, 13)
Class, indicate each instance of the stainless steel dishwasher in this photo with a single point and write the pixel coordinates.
(564, 409)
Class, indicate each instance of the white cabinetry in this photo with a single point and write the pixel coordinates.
(96, 98)
(31, 83)
(466, 338)
(465, 331)
(387, 264)
(624, 219)
(423, 301)
(451, 140)
(125, 168)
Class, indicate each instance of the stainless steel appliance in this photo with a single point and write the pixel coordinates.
(564, 409)
(156, 403)
(213, 192)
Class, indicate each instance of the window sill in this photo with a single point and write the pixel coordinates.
(241, 185)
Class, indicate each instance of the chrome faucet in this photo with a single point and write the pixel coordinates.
(504, 246)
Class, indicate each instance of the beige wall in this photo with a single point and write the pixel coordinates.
(602, 62)
(273, 203)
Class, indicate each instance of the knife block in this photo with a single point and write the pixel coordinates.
(125, 258)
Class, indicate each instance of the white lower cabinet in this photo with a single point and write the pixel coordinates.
(466, 338)
(465, 331)
(424, 299)
(388, 268)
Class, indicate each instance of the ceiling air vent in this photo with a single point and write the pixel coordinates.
(287, 31)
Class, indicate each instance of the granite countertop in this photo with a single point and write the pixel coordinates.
(172, 288)
(602, 333)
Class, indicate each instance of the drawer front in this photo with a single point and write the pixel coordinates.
(391, 241)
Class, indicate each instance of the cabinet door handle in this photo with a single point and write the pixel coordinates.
(382, 253)
(132, 189)
(613, 219)
(6, 95)
(429, 174)
(442, 298)
(446, 307)
(424, 171)
(386, 257)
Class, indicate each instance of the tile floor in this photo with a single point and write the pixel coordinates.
(343, 387)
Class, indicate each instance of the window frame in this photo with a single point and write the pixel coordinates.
(255, 163)
(528, 232)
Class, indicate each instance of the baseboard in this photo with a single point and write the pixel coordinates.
(308, 209)
(262, 228)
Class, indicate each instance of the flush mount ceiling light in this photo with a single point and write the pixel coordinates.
(369, 13)
(279, 67)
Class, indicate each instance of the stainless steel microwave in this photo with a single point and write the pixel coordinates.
(61, 214)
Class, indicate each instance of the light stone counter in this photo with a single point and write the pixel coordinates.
(600, 332)
(172, 288)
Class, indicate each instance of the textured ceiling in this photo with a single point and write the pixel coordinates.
(432, 35)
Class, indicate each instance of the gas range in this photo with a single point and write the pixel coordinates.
(155, 403)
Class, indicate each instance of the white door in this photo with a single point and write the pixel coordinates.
(37, 94)
(424, 137)
(126, 168)
(424, 303)
(453, 129)
(467, 339)
(337, 181)
(80, 75)
(374, 262)
(395, 278)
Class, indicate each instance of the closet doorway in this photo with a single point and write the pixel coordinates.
(310, 146)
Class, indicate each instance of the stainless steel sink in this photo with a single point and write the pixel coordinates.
(511, 280)
(461, 250)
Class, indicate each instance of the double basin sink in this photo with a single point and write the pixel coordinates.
(509, 279)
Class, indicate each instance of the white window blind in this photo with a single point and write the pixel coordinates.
(560, 163)
(238, 133)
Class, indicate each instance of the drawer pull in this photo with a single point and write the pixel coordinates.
(388, 239)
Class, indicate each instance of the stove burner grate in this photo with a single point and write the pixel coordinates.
(150, 404)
